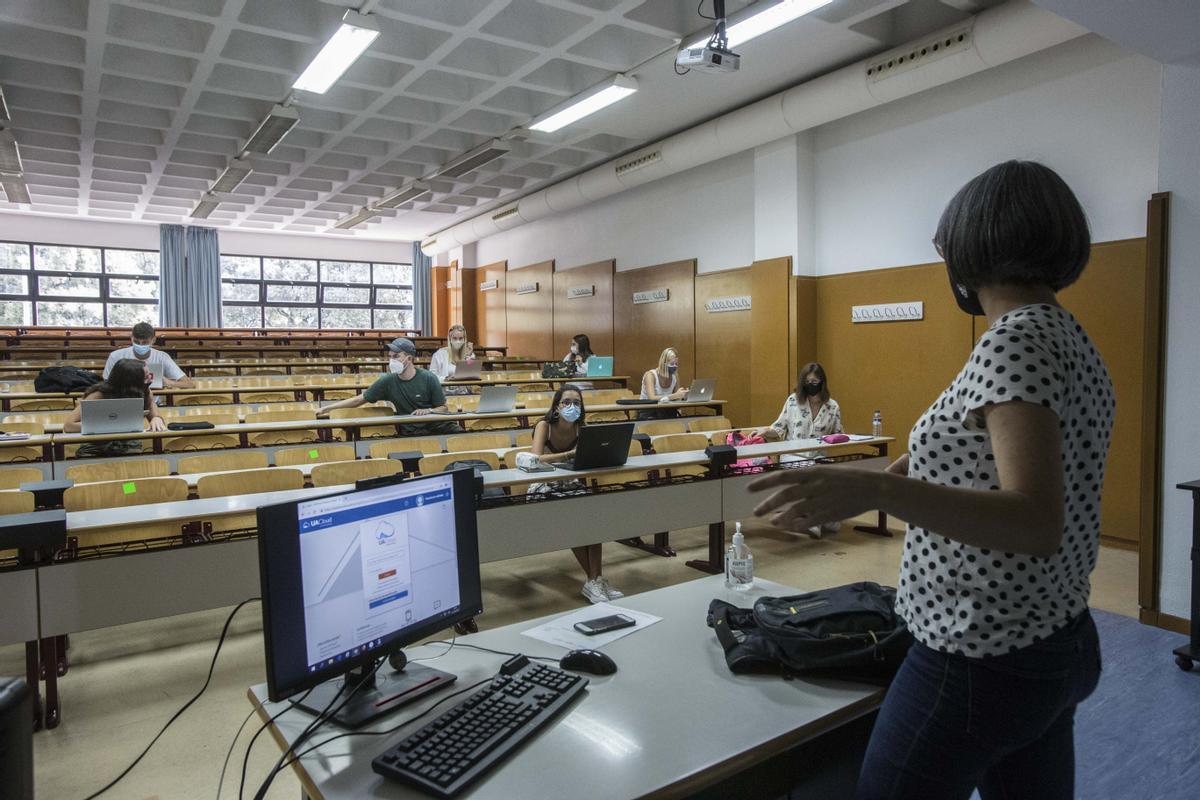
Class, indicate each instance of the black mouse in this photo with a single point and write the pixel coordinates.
(591, 661)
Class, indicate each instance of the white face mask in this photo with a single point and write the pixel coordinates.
(458, 344)
(575, 349)
(397, 365)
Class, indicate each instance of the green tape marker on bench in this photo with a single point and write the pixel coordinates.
(314, 454)
(129, 487)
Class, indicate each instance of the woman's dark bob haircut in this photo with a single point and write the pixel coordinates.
(1016, 223)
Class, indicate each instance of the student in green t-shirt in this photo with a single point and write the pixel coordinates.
(410, 390)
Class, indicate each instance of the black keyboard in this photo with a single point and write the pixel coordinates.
(453, 750)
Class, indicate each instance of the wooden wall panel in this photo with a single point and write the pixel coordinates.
(462, 297)
(804, 341)
(899, 368)
(439, 296)
(530, 317)
(592, 316)
(640, 332)
(770, 326)
(1109, 301)
(491, 327)
(723, 341)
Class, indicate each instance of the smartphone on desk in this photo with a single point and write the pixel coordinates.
(591, 627)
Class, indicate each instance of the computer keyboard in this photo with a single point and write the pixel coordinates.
(453, 750)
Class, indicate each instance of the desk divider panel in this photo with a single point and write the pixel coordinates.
(19, 599)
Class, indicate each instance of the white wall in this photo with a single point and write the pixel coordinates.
(705, 213)
(1087, 108)
(65, 230)
(1179, 174)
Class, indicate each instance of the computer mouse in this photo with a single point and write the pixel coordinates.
(592, 662)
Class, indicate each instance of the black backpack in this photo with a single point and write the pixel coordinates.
(64, 379)
(849, 631)
(477, 466)
(558, 369)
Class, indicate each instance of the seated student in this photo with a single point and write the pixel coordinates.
(580, 352)
(662, 384)
(808, 413)
(554, 439)
(163, 369)
(410, 390)
(445, 360)
(129, 377)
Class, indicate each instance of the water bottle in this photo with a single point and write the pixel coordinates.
(739, 562)
(877, 424)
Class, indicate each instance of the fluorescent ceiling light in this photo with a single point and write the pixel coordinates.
(238, 170)
(272, 129)
(473, 159)
(208, 204)
(618, 89)
(343, 49)
(10, 153)
(403, 195)
(756, 24)
(15, 189)
(357, 218)
(3, 106)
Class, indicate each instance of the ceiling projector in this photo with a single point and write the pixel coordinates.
(713, 55)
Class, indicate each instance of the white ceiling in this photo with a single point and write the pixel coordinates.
(129, 109)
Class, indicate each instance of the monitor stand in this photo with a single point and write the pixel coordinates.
(382, 693)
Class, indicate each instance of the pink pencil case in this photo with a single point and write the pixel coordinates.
(835, 438)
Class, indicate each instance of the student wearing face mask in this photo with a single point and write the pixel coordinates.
(809, 412)
(128, 378)
(445, 361)
(662, 384)
(410, 390)
(164, 372)
(554, 439)
(579, 353)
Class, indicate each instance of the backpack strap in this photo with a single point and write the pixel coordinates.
(720, 626)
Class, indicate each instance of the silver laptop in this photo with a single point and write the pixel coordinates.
(701, 390)
(497, 399)
(126, 415)
(468, 370)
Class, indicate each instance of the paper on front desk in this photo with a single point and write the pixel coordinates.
(560, 631)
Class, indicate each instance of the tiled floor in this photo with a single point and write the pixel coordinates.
(126, 682)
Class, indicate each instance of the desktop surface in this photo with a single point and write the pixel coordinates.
(657, 727)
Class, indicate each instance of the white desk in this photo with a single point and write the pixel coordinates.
(672, 720)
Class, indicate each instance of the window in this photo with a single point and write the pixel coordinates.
(304, 293)
(61, 285)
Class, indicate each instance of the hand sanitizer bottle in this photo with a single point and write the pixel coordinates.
(739, 570)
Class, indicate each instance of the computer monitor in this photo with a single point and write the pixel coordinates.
(350, 578)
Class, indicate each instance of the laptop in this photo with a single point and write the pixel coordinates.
(468, 370)
(601, 446)
(497, 399)
(701, 391)
(126, 415)
(600, 367)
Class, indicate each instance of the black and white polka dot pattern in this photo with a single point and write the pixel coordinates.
(979, 602)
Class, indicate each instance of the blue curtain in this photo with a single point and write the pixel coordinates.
(422, 290)
(171, 260)
(190, 261)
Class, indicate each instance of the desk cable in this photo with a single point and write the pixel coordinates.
(253, 739)
(186, 706)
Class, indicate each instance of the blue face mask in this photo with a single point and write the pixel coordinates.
(671, 368)
(570, 413)
(141, 349)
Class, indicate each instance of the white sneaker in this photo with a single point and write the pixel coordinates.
(609, 591)
(815, 531)
(831, 527)
(594, 592)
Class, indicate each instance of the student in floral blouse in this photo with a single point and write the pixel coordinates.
(808, 413)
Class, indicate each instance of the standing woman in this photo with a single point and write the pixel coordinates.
(127, 378)
(809, 412)
(662, 384)
(554, 439)
(445, 360)
(1001, 492)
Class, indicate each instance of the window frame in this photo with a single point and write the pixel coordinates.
(263, 304)
(105, 298)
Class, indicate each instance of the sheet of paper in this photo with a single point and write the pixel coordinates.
(560, 631)
(858, 437)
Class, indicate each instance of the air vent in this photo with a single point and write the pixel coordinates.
(505, 214)
(917, 55)
(638, 163)
(473, 159)
(428, 243)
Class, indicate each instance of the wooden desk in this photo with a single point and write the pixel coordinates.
(628, 735)
(351, 364)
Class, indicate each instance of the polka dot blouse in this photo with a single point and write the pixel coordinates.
(979, 602)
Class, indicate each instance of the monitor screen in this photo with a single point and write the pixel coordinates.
(351, 577)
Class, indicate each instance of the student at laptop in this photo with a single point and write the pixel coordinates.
(163, 369)
(808, 413)
(445, 360)
(131, 378)
(410, 390)
(662, 384)
(554, 439)
(580, 352)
